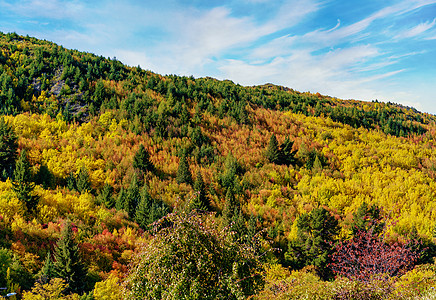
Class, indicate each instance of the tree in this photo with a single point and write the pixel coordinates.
(287, 156)
(83, 183)
(105, 196)
(316, 235)
(273, 153)
(183, 172)
(143, 209)
(22, 184)
(367, 218)
(141, 160)
(68, 262)
(200, 200)
(47, 271)
(366, 255)
(132, 197)
(8, 149)
(192, 259)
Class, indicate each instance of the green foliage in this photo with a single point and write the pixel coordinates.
(141, 160)
(68, 263)
(47, 271)
(23, 185)
(317, 233)
(272, 153)
(367, 218)
(8, 149)
(192, 259)
(83, 183)
(132, 197)
(183, 172)
(105, 197)
(200, 201)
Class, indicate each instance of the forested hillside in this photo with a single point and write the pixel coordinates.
(119, 182)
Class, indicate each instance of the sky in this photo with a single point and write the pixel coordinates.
(350, 49)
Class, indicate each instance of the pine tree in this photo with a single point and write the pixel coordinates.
(23, 185)
(47, 271)
(287, 156)
(141, 160)
(68, 262)
(120, 203)
(230, 206)
(71, 182)
(44, 177)
(105, 196)
(143, 209)
(8, 149)
(132, 197)
(83, 182)
(273, 153)
(183, 172)
(200, 200)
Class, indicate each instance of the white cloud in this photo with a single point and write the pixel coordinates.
(416, 30)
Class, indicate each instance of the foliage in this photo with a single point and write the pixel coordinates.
(191, 259)
(8, 149)
(317, 233)
(68, 264)
(23, 185)
(366, 255)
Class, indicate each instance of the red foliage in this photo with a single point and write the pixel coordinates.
(366, 255)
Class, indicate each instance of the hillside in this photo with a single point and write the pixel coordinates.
(94, 152)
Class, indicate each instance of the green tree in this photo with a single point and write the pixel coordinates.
(132, 197)
(287, 156)
(367, 218)
(183, 172)
(44, 177)
(200, 200)
(8, 149)
(317, 232)
(105, 197)
(143, 209)
(68, 262)
(272, 152)
(141, 160)
(83, 183)
(193, 259)
(47, 271)
(22, 184)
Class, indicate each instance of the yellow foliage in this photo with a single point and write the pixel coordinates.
(108, 289)
(49, 291)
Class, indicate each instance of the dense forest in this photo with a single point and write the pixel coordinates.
(120, 183)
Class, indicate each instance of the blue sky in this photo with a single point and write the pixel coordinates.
(353, 49)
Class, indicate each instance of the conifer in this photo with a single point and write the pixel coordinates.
(22, 184)
(200, 200)
(105, 196)
(132, 197)
(68, 262)
(272, 153)
(183, 172)
(8, 149)
(141, 160)
(83, 183)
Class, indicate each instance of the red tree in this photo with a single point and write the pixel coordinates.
(366, 255)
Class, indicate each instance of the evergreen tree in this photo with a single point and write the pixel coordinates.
(71, 182)
(105, 196)
(141, 160)
(47, 271)
(200, 200)
(273, 153)
(183, 172)
(230, 206)
(23, 185)
(317, 232)
(287, 156)
(8, 149)
(119, 204)
(44, 177)
(367, 218)
(68, 262)
(83, 183)
(143, 209)
(132, 197)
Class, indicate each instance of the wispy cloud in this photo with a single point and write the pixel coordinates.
(416, 30)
